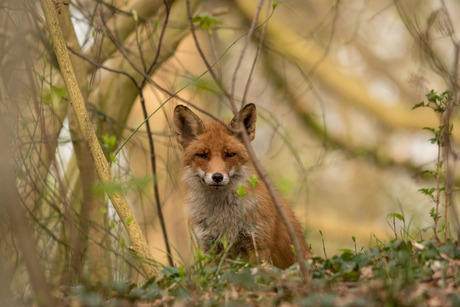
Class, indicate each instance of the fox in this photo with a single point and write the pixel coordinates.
(215, 164)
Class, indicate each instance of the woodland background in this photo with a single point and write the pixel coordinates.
(334, 83)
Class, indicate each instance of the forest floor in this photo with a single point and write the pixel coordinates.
(396, 273)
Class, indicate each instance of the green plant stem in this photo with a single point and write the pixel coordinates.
(438, 193)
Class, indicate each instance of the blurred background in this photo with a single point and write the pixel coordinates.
(334, 83)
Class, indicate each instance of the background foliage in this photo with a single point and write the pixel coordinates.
(334, 83)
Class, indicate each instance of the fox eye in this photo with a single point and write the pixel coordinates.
(230, 155)
(202, 156)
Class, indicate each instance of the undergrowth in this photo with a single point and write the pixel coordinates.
(394, 273)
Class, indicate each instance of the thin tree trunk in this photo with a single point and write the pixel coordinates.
(91, 204)
(138, 242)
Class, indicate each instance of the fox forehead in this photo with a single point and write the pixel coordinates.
(216, 139)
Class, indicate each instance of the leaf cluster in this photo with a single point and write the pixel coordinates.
(437, 102)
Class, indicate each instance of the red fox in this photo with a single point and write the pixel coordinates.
(215, 165)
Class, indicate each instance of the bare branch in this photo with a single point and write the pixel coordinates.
(243, 51)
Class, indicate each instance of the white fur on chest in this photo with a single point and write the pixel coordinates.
(218, 212)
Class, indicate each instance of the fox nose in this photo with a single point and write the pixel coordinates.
(217, 177)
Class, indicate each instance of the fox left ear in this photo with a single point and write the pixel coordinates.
(247, 116)
(188, 125)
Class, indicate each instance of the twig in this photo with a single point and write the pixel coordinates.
(254, 62)
(155, 181)
(205, 61)
(140, 87)
(75, 242)
(243, 51)
(20, 226)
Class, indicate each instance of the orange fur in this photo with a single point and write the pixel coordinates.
(215, 164)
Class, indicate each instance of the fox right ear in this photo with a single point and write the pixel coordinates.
(188, 125)
(248, 116)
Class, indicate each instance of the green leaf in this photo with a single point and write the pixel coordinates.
(61, 92)
(54, 95)
(427, 191)
(110, 142)
(253, 181)
(153, 292)
(241, 191)
(274, 5)
(243, 279)
(293, 249)
(432, 96)
(395, 215)
(434, 214)
(446, 94)
(418, 105)
(432, 173)
(429, 128)
(207, 20)
(170, 271)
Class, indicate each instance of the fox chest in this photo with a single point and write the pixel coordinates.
(224, 217)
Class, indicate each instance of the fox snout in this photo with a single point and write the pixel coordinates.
(216, 179)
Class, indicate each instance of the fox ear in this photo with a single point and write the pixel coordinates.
(188, 125)
(247, 116)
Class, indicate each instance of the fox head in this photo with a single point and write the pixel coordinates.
(214, 155)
